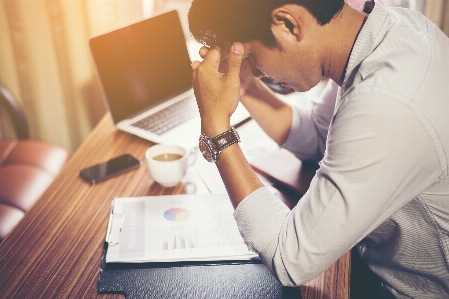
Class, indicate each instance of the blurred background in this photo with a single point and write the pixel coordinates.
(45, 59)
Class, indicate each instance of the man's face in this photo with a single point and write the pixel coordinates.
(291, 65)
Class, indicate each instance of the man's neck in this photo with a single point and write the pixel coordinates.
(342, 33)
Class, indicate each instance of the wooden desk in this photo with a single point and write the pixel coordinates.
(55, 251)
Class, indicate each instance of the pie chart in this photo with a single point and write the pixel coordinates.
(176, 214)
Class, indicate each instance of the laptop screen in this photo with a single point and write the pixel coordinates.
(143, 64)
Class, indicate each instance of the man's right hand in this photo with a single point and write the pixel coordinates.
(246, 76)
(216, 92)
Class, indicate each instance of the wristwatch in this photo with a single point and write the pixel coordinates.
(211, 147)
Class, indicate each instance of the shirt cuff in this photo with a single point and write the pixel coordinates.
(259, 217)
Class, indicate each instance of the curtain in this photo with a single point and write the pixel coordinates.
(438, 12)
(46, 62)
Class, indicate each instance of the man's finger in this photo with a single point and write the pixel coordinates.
(224, 61)
(195, 64)
(203, 51)
(235, 59)
(223, 68)
(212, 58)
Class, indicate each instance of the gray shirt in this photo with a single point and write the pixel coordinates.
(383, 180)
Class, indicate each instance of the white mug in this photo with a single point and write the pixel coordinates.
(168, 164)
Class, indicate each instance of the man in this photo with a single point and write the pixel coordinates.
(382, 143)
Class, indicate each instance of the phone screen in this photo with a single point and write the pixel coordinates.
(113, 167)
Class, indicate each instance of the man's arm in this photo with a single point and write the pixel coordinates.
(372, 167)
(272, 114)
(300, 129)
(218, 95)
(310, 125)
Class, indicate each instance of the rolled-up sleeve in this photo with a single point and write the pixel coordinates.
(261, 211)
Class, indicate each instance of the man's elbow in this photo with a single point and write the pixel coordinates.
(293, 276)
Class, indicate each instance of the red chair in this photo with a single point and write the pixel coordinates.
(27, 166)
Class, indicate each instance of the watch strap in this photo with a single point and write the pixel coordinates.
(226, 139)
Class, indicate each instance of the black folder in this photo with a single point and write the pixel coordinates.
(179, 280)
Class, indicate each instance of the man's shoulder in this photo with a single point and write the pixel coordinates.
(400, 63)
(406, 44)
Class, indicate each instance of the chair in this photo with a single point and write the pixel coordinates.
(27, 166)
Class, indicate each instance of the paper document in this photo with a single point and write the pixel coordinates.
(185, 227)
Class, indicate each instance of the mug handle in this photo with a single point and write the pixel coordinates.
(191, 157)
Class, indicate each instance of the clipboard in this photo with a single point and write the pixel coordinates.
(188, 279)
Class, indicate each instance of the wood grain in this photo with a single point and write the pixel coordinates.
(55, 251)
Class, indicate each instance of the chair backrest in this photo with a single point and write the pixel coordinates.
(15, 112)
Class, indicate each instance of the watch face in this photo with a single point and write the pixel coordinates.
(206, 150)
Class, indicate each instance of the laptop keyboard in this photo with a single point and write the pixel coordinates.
(169, 117)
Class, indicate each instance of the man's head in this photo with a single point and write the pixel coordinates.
(293, 42)
(221, 22)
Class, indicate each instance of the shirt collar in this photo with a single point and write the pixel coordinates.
(369, 37)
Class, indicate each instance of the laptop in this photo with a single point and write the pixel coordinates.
(146, 76)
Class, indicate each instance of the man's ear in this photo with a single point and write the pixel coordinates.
(287, 21)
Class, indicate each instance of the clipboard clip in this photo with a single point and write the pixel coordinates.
(114, 229)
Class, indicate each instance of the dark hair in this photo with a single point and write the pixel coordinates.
(219, 22)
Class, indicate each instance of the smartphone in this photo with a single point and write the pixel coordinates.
(108, 169)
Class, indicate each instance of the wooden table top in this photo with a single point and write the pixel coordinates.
(55, 251)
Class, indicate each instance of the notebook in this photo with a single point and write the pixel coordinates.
(146, 76)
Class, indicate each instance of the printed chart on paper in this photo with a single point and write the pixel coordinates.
(187, 227)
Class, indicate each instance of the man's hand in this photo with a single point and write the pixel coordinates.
(217, 93)
(246, 76)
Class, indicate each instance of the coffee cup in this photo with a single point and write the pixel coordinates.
(168, 164)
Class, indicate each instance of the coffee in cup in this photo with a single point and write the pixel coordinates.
(167, 157)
